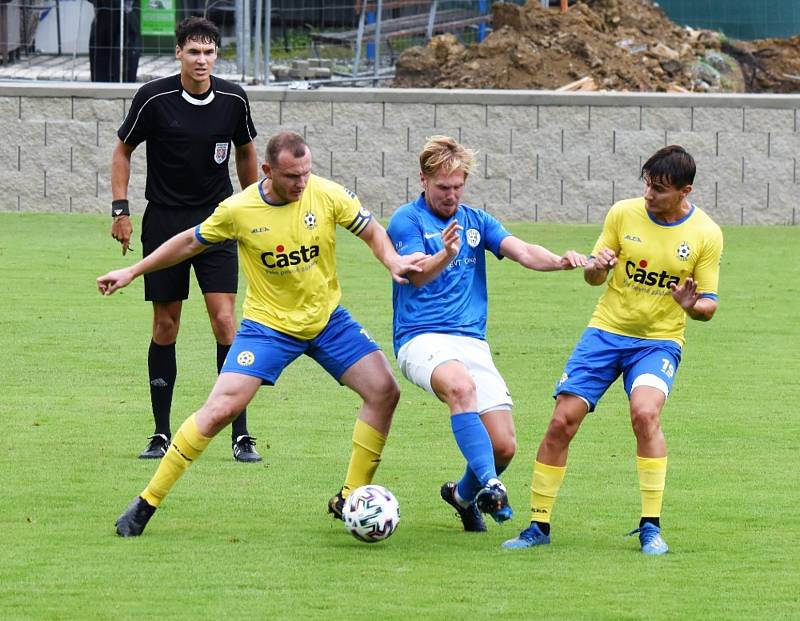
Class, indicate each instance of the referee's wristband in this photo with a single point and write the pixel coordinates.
(120, 208)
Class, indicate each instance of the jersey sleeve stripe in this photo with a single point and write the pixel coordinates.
(128, 135)
(200, 238)
(712, 296)
(359, 223)
(246, 111)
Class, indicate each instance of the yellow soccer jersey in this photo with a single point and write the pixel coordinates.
(637, 301)
(288, 252)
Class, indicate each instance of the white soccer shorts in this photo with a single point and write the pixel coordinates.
(421, 355)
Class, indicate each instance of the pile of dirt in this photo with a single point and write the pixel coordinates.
(622, 45)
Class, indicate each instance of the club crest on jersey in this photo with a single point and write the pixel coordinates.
(310, 220)
(473, 237)
(683, 252)
(220, 152)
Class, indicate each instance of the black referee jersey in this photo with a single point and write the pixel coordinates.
(188, 139)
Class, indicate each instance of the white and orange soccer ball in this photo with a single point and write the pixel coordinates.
(371, 513)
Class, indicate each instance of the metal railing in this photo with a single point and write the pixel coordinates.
(264, 41)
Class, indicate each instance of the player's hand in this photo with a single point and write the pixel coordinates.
(121, 230)
(109, 283)
(451, 238)
(605, 259)
(572, 259)
(687, 294)
(404, 264)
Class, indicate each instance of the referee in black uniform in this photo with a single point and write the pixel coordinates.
(189, 121)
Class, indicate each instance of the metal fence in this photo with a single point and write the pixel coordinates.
(263, 41)
(284, 41)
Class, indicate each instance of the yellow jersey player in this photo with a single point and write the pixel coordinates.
(284, 226)
(663, 254)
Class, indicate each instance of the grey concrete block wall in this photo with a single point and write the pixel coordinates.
(546, 157)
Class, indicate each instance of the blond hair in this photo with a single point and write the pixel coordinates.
(445, 154)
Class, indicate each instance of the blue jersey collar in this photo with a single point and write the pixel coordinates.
(264, 196)
(676, 223)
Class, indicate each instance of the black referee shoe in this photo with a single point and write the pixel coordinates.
(156, 448)
(132, 522)
(244, 449)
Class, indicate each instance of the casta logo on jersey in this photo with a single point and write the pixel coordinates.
(641, 275)
(285, 258)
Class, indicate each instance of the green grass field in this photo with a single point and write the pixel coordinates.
(254, 541)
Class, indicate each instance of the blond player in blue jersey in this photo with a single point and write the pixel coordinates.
(285, 228)
(663, 255)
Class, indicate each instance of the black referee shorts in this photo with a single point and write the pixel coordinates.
(216, 269)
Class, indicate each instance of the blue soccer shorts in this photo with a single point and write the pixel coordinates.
(600, 357)
(262, 352)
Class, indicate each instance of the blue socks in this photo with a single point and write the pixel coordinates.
(476, 446)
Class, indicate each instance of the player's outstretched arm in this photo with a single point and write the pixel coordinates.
(539, 258)
(171, 252)
(688, 297)
(598, 267)
(399, 266)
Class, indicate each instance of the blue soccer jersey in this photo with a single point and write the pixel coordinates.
(456, 301)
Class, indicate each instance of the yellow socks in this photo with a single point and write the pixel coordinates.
(652, 473)
(368, 445)
(186, 447)
(544, 489)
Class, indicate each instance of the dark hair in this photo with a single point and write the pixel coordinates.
(198, 29)
(671, 165)
(285, 141)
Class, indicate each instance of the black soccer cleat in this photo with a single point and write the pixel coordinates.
(493, 500)
(470, 516)
(157, 448)
(336, 505)
(244, 449)
(132, 522)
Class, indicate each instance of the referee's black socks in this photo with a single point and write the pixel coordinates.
(163, 369)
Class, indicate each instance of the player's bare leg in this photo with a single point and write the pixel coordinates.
(651, 465)
(454, 385)
(230, 394)
(549, 469)
(372, 378)
(221, 309)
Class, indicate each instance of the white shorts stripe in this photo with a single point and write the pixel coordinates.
(648, 379)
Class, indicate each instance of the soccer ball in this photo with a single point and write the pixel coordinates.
(371, 513)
